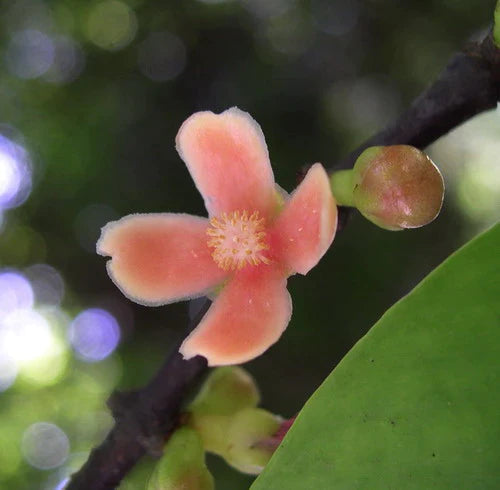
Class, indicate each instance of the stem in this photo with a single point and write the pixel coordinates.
(342, 187)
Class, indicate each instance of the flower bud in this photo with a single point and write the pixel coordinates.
(276, 439)
(213, 431)
(248, 429)
(182, 465)
(395, 187)
(226, 391)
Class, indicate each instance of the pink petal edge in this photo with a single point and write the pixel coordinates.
(247, 317)
(305, 229)
(159, 258)
(228, 159)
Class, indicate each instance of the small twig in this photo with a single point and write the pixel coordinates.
(469, 84)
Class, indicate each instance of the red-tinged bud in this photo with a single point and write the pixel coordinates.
(395, 187)
(182, 465)
(275, 440)
(248, 429)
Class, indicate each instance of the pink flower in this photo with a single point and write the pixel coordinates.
(256, 236)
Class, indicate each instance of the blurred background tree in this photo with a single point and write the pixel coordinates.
(91, 97)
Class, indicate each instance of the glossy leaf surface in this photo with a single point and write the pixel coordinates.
(415, 403)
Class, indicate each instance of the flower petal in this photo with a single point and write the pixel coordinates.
(305, 229)
(227, 157)
(159, 258)
(247, 317)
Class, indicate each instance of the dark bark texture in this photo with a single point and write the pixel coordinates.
(469, 85)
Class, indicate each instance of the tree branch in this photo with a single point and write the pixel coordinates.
(469, 84)
(143, 420)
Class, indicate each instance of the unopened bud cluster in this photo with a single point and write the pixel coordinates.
(223, 419)
(226, 416)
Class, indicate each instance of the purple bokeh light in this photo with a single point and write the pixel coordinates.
(94, 334)
(15, 292)
(62, 484)
(30, 54)
(15, 174)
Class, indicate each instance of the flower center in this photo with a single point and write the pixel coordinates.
(238, 239)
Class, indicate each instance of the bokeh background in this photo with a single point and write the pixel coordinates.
(91, 97)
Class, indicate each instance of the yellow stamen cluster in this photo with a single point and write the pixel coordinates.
(238, 239)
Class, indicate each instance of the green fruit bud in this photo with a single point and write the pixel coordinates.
(395, 187)
(226, 391)
(248, 429)
(212, 430)
(182, 465)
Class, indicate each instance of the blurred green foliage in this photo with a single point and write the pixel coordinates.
(96, 91)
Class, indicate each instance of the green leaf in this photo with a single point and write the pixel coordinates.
(496, 27)
(415, 403)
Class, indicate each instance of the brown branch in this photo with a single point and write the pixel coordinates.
(469, 84)
(143, 419)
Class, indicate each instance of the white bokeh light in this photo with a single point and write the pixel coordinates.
(9, 176)
(26, 336)
(47, 284)
(45, 446)
(8, 370)
(94, 334)
(468, 158)
(15, 293)
(29, 344)
(68, 63)
(30, 54)
(15, 174)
